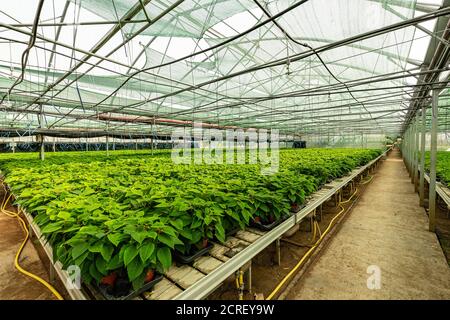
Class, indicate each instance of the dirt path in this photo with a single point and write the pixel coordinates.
(387, 230)
(13, 284)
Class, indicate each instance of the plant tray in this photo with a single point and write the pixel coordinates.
(185, 259)
(267, 227)
(133, 293)
(234, 251)
(232, 232)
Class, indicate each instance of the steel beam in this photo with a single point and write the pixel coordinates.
(422, 157)
(417, 154)
(433, 151)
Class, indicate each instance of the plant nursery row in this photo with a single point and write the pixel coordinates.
(131, 213)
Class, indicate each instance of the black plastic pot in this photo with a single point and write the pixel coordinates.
(267, 227)
(232, 232)
(189, 258)
(105, 290)
(297, 208)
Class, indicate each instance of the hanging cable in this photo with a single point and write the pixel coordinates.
(305, 45)
(26, 53)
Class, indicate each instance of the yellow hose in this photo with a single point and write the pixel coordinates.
(303, 259)
(240, 283)
(299, 264)
(351, 197)
(19, 252)
(366, 182)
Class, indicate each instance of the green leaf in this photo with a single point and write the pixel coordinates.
(90, 230)
(169, 230)
(220, 232)
(140, 236)
(196, 223)
(107, 251)
(186, 234)
(96, 247)
(135, 269)
(114, 263)
(168, 240)
(292, 198)
(116, 238)
(79, 249)
(178, 223)
(79, 261)
(164, 257)
(139, 281)
(146, 250)
(95, 273)
(129, 254)
(101, 265)
(52, 227)
(264, 207)
(64, 215)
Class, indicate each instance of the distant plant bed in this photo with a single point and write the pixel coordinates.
(129, 213)
(442, 166)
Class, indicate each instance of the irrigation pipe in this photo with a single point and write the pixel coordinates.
(308, 253)
(19, 252)
(366, 182)
(351, 197)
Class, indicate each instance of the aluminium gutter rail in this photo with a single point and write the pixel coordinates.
(211, 281)
(441, 190)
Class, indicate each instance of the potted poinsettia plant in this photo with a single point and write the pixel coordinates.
(203, 225)
(125, 256)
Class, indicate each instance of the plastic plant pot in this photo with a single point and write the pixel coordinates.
(191, 256)
(122, 289)
(266, 227)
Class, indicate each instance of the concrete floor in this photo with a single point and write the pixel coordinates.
(386, 229)
(13, 284)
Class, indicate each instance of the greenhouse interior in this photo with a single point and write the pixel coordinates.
(225, 150)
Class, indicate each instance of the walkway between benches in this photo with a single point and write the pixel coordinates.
(386, 231)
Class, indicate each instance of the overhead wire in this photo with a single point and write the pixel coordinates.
(26, 52)
(306, 45)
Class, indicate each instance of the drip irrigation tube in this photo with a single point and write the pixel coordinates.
(310, 251)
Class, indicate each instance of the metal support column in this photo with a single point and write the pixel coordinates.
(42, 147)
(151, 136)
(40, 137)
(422, 157)
(278, 251)
(411, 160)
(107, 139)
(406, 155)
(433, 149)
(249, 278)
(413, 149)
(416, 154)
